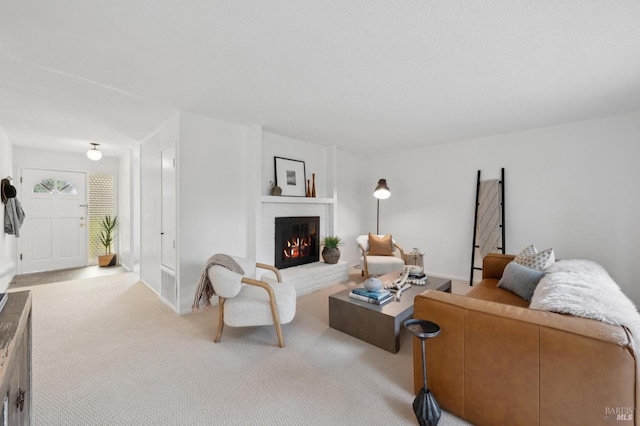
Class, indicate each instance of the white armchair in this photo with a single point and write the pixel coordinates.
(374, 262)
(245, 301)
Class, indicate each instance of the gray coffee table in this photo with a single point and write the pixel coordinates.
(378, 325)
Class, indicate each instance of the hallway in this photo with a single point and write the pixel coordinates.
(47, 277)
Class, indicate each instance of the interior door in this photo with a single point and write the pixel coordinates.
(54, 233)
(168, 207)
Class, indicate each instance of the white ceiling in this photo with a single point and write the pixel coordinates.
(366, 75)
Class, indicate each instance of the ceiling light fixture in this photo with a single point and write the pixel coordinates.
(93, 153)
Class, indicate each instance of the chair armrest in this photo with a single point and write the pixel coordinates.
(365, 267)
(401, 251)
(262, 284)
(270, 268)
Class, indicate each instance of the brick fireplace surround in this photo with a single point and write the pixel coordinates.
(306, 278)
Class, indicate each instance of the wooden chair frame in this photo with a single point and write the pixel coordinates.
(272, 301)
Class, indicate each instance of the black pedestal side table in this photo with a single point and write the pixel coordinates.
(425, 405)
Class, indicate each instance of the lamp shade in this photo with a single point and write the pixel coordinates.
(382, 191)
(93, 153)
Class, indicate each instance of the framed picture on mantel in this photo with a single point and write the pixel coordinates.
(290, 176)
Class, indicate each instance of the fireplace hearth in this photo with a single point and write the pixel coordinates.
(296, 241)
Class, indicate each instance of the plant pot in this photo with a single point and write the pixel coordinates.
(331, 255)
(107, 259)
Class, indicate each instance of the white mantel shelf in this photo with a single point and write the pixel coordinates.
(299, 200)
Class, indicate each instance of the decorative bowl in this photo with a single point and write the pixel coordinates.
(373, 284)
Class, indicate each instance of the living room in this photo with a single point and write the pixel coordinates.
(553, 177)
(424, 96)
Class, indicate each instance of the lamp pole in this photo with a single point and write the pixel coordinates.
(378, 218)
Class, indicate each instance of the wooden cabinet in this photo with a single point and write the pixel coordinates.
(15, 359)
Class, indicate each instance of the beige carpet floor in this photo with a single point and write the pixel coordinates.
(47, 277)
(107, 351)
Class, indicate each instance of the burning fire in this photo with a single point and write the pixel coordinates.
(297, 247)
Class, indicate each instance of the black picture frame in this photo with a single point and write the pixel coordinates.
(291, 176)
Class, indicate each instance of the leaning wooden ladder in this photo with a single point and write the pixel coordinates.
(474, 244)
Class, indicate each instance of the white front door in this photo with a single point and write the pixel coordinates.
(54, 233)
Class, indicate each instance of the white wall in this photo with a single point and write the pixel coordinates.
(125, 231)
(135, 208)
(572, 187)
(355, 209)
(150, 177)
(214, 182)
(7, 242)
(59, 160)
(314, 156)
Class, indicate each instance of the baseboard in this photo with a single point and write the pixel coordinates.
(6, 276)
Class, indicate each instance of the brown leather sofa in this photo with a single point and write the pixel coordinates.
(497, 362)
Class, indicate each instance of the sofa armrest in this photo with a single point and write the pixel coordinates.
(493, 361)
(493, 264)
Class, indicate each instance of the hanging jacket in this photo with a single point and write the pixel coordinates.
(13, 217)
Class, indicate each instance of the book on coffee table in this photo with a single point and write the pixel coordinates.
(381, 301)
(372, 294)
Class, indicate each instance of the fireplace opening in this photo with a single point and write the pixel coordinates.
(296, 241)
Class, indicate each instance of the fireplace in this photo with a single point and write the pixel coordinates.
(296, 241)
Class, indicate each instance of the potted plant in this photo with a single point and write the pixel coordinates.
(331, 252)
(107, 238)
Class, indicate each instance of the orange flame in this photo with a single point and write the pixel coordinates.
(297, 247)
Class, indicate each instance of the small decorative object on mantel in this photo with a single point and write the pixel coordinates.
(107, 239)
(313, 185)
(331, 252)
(308, 188)
(275, 190)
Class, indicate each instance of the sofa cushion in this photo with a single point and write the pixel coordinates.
(520, 280)
(380, 265)
(538, 260)
(488, 290)
(380, 245)
(530, 250)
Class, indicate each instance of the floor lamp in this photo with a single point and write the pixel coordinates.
(381, 192)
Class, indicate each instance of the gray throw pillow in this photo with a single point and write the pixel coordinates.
(520, 280)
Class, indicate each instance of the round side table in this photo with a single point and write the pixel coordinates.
(425, 405)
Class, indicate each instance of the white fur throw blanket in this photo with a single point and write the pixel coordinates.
(585, 289)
